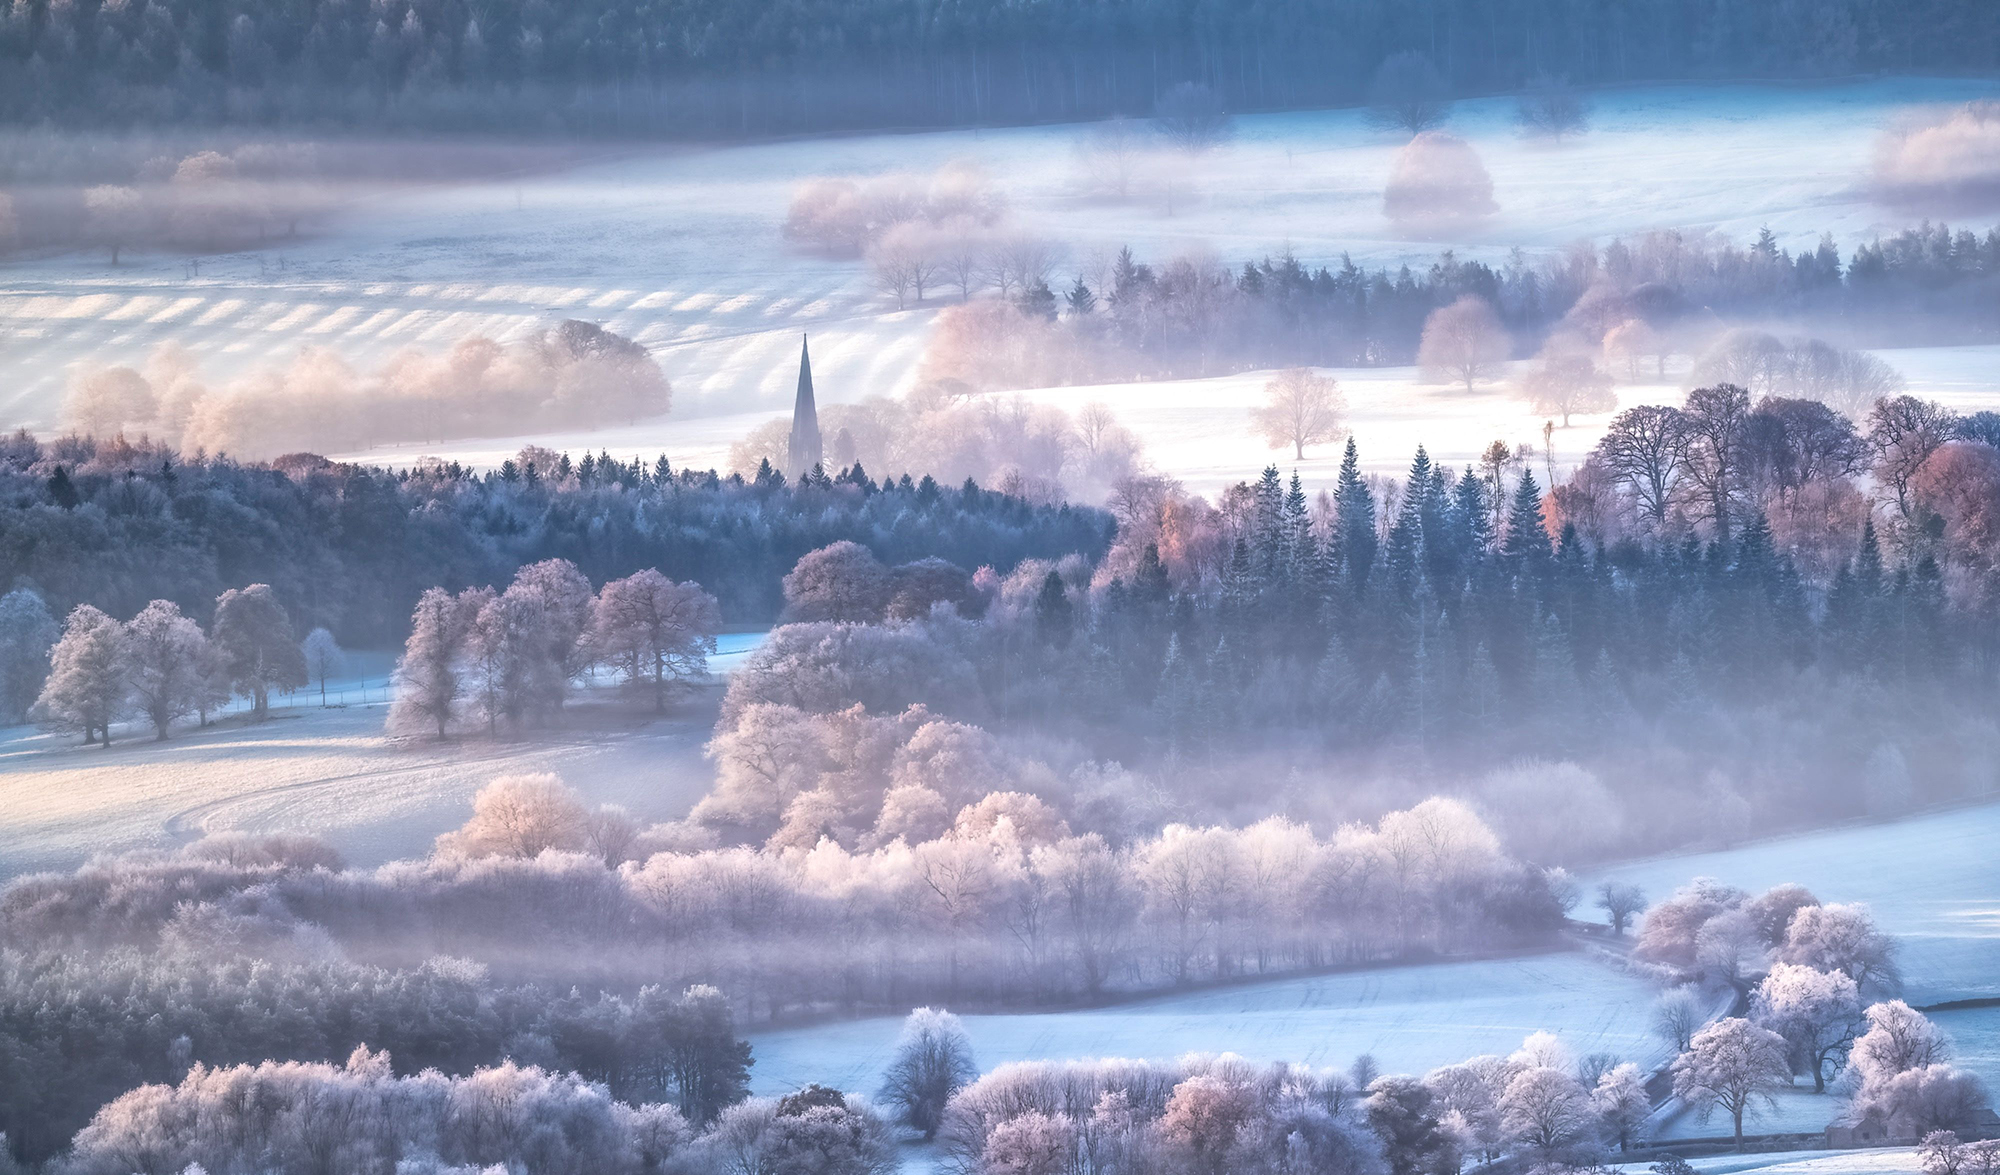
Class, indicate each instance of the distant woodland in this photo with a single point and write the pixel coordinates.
(718, 67)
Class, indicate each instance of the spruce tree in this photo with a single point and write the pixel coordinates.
(1527, 538)
(1354, 505)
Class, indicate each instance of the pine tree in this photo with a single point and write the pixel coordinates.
(1354, 507)
(1081, 301)
(62, 491)
(1055, 617)
(1527, 540)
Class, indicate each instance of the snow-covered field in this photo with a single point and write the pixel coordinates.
(1886, 1161)
(331, 771)
(680, 248)
(1410, 1019)
(1932, 880)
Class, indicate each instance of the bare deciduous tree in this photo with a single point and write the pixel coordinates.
(933, 1061)
(1567, 382)
(1550, 107)
(1463, 343)
(1301, 407)
(1408, 94)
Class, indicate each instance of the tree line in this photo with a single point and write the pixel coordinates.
(1625, 308)
(709, 67)
(351, 548)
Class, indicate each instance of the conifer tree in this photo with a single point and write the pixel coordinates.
(1354, 507)
(1527, 538)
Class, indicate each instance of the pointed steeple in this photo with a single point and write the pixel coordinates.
(804, 450)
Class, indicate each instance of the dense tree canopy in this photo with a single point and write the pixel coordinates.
(723, 66)
(351, 548)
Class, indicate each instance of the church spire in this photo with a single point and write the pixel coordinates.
(804, 451)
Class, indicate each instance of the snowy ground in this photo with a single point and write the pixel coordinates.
(333, 772)
(680, 247)
(1932, 880)
(1410, 1019)
(1887, 1161)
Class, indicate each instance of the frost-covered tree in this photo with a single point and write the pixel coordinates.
(1899, 1039)
(1733, 1064)
(1622, 1103)
(323, 658)
(429, 678)
(655, 631)
(816, 1131)
(1566, 382)
(1620, 900)
(28, 632)
(1547, 1111)
(361, 1119)
(85, 690)
(933, 1060)
(1033, 1143)
(165, 664)
(519, 816)
(843, 581)
(255, 637)
(1301, 407)
(557, 600)
(1817, 1012)
(1463, 343)
(1844, 938)
(1403, 1114)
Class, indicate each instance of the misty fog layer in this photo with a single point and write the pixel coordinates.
(573, 374)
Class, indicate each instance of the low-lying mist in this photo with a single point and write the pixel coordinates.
(571, 375)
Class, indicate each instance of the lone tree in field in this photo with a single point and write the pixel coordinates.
(933, 1061)
(1301, 407)
(1191, 119)
(323, 658)
(656, 632)
(1408, 94)
(1551, 108)
(164, 660)
(1620, 900)
(1566, 383)
(1733, 1064)
(85, 690)
(255, 636)
(1463, 343)
(116, 216)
